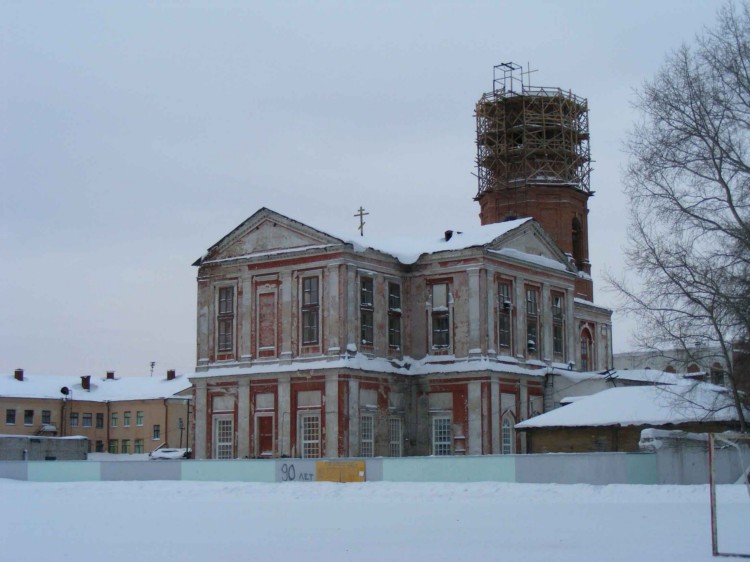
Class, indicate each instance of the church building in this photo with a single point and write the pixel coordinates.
(315, 344)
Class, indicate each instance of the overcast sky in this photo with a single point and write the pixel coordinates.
(135, 135)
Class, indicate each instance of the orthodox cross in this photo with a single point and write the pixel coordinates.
(361, 214)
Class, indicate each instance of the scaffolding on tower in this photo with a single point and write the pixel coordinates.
(529, 135)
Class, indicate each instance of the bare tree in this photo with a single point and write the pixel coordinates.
(688, 179)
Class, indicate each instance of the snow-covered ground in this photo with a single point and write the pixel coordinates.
(191, 521)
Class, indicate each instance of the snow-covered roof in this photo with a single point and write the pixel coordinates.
(642, 405)
(407, 250)
(102, 389)
(651, 376)
(430, 365)
(590, 304)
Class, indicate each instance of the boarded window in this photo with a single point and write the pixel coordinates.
(267, 325)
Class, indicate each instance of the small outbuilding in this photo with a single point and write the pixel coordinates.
(612, 420)
(40, 448)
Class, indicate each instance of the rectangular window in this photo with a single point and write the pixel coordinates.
(10, 417)
(113, 419)
(138, 446)
(139, 418)
(73, 419)
(310, 310)
(532, 322)
(99, 421)
(504, 317)
(394, 332)
(440, 334)
(366, 433)
(366, 310)
(28, 417)
(441, 436)
(310, 432)
(395, 437)
(394, 316)
(157, 432)
(558, 328)
(126, 419)
(440, 317)
(46, 417)
(125, 446)
(99, 446)
(225, 319)
(113, 448)
(224, 437)
(86, 419)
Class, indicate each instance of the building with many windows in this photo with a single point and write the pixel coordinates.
(312, 344)
(117, 415)
(316, 344)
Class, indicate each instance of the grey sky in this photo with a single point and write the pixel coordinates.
(134, 135)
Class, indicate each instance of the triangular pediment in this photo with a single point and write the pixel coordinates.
(267, 232)
(531, 243)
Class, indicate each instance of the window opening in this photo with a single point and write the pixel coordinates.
(226, 319)
(366, 310)
(310, 308)
(441, 436)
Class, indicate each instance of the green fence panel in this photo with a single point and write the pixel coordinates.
(453, 469)
(642, 469)
(229, 471)
(64, 471)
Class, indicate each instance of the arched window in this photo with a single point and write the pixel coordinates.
(587, 350)
(670, 369)
(507, 434)
(693, 368)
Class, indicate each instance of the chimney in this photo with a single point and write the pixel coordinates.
(170, 374)
(110, 375)
(86, 382)
(19, 375)
(448, 235)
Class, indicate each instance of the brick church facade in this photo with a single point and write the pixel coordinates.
(312, 345)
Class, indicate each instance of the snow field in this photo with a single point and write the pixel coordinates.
(191, 521)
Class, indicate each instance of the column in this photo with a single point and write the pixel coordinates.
(204, 300)
(475, 418)
(201, 416)
(351, 307)
(520, 327)
(243, 418)
(571, 328)
(332, 324)
(491, 300)
(245, 322)
(353, 418)
(286, 316)
(284, 398)
(332, 413)
(475, 344)
(546, 315)
(495, 414)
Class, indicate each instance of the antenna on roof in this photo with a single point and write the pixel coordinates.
(361, 214)
(153, 364)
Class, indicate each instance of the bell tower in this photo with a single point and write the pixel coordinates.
(533, 160)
